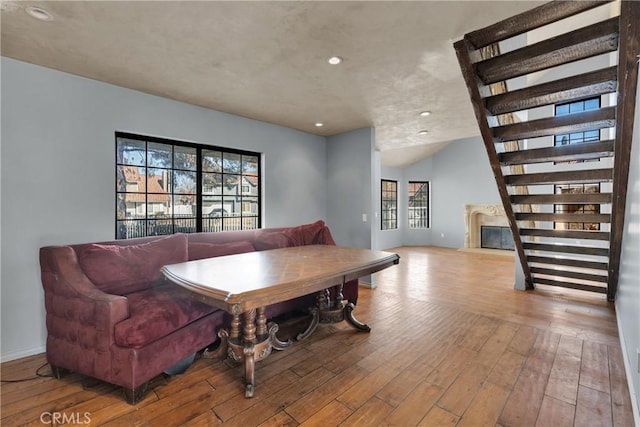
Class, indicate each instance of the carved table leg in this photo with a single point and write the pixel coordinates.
(252, 345)
(315, 319)
(249, 336)
(348, 315)
(331, 311)
(222, 351)
(249, 369)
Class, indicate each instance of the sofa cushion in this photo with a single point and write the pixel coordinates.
(157, 312)
(201, 250)
(272, 240)
(121, 270)
(307, 234)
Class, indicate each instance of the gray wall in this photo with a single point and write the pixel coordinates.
(350, 168)
(628, 297)
(460, 174)
(58, 173)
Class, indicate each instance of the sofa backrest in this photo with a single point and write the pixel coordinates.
(120, 268)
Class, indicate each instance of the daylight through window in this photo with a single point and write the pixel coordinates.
(418, 204)
(389, 205)
(165, 187)
(577, 138)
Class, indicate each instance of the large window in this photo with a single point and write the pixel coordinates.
(577, 138)
(165, 187)
(577, 208)
(418, 204)
(577, 107)
(389, 205)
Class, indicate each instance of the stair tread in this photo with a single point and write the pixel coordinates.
(595, 39)
(566, 198)
(571, 285)
(563, 217)
(565, 234)
(583, 250)
(570, 123)
(569, 274)
(563, 177)
(559, 153)
(568, 262)
(569, 89)
(529, 20)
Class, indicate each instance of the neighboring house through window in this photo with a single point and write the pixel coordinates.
(577, 138)
(418, 204)
(165, 186)
(389, 205)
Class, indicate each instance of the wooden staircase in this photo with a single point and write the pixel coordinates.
(562, 178)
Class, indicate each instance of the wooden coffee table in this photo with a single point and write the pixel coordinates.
(244, 284)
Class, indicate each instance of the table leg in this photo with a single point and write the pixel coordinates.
(249, 369)
(251, 344)
(348, 316)
(249, 338)
(315, 319)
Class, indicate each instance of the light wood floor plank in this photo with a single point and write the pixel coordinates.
(460, 394)
(507, 369)
(555, 413)
(438, 417)
(594, 371)
(415, 406)
(330, 415)
(369, 414)
(525, 400)
(593, 408)
(486, 407)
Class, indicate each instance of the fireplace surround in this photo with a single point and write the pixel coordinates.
(478, 215)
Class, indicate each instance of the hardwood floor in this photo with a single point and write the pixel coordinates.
(452, 344)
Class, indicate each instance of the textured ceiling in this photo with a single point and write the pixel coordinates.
(267, 60)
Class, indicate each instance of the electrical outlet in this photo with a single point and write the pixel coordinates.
(364, 217)
(442, 235)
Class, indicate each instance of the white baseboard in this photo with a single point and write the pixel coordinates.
(627, 369)
(7, 357)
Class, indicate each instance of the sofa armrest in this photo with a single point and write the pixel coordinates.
(326, 237)
(77, 311)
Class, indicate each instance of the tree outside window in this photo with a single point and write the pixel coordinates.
(389, 205)
(418, 204)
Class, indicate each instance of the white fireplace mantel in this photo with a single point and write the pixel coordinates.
(475, 216)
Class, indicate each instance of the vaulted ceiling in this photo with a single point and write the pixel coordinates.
(267, 60)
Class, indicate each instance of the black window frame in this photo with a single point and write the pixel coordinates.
(388, 221)
(583, 208)
(558, 140)
(199, 222)
(423, 221)
(564, 139)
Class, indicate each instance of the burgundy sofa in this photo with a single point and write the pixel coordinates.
(111, 314)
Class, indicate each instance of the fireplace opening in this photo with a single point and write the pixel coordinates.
(492, 237)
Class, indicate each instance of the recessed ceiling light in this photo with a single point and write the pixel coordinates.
(334, 60)
(423, 132)
(319, 125)
(425, 113)
(39, 13)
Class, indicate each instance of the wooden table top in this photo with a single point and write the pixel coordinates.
(238, 283)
